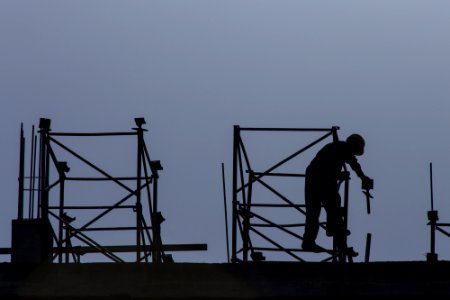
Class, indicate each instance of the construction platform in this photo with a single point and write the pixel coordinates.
(224, 281)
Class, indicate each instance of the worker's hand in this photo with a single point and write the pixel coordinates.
(366, 183)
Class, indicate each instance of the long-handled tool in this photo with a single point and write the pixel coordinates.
(366, 186)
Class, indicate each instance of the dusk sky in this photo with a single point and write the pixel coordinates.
(195, 68)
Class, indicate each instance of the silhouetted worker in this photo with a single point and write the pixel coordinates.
(321, 187)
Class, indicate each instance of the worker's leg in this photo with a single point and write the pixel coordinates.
(332, 205)
(313, 206)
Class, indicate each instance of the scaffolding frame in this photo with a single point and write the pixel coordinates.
(433, 219)
(148, 245)
(244, 180)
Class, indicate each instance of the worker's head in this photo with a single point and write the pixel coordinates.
(357, 142)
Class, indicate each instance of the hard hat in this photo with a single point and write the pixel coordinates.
(358, 141)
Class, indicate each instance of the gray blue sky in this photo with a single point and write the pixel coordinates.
(195, 68)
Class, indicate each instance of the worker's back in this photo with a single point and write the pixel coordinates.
(329, 161)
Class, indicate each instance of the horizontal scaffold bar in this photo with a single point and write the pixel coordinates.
(92, 133)
(285, 129)
(124, 248)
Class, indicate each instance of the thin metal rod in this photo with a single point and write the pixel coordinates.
(139, 153)
(126, 248)
(225, 210)
(281, 250)
(146, 161)
(241, 170)
(92, 207)
(110, 228)
(61, 214)
(431, 186)
(47, 178)
(246, 217)
(146, 232)
(244, 152)
(144, 256)
(153, 241)
(368, 243)
(234, 203)
(102, 178)
(40, 172)
(278, 225)
(276, 205)
(283, 129)
(30, 183)
(280, 174)
(345, 217)
(432, 216)
(21, 174)
(33, 178)
(443, 224)
(91, 133)
(442, 231)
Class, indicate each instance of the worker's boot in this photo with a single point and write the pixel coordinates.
(350, 252)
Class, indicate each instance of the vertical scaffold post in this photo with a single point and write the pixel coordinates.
(246, 215)
(433, 218)
(32, 174)
(368, 243)
(334, 130)
(44, 126)
(140, 147)
(157, 217)
(236, 139)
(62, 169)
(21, 174)
(225, 211)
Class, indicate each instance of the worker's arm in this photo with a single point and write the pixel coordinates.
(353, 162)
(366, 181)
